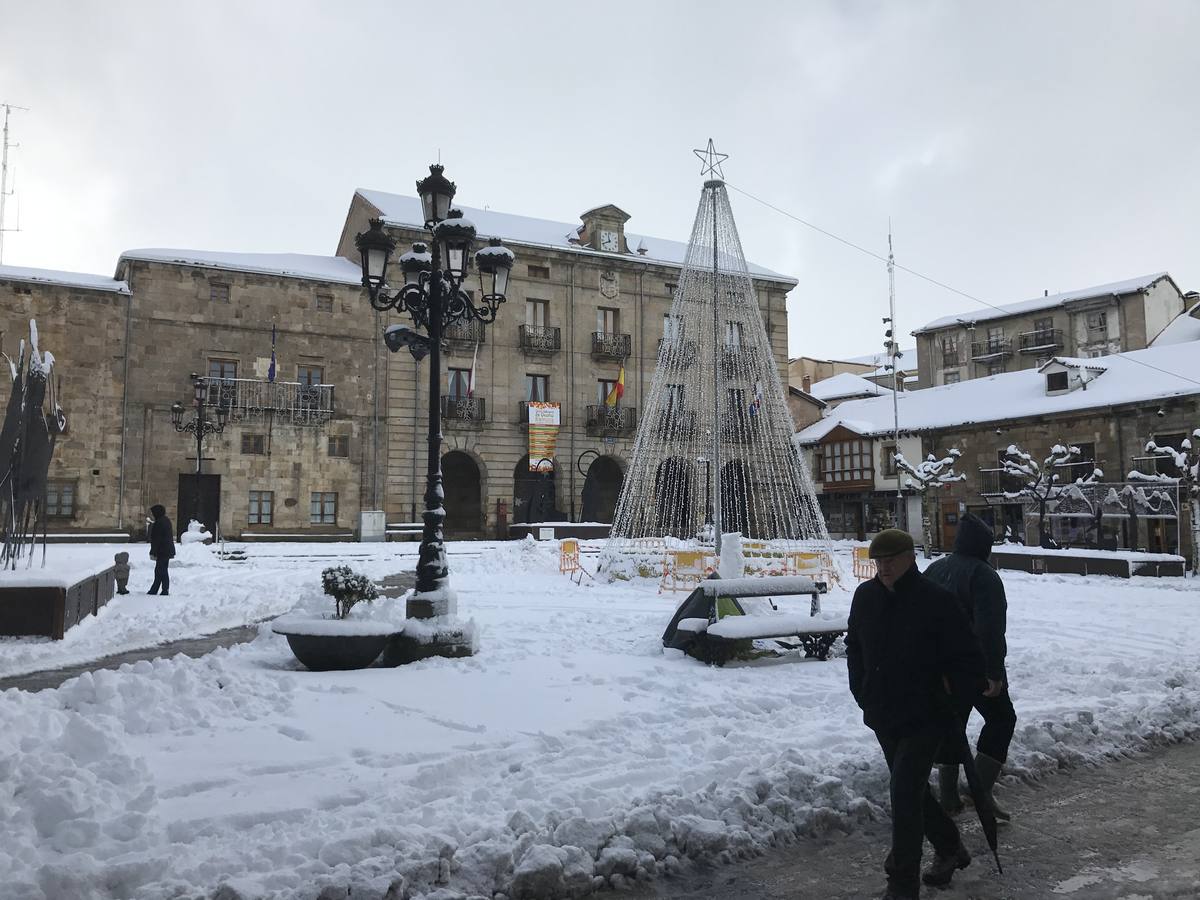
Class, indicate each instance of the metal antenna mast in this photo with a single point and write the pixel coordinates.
(893, 349)
(5, 190)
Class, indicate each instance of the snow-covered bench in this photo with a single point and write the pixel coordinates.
(710, 630)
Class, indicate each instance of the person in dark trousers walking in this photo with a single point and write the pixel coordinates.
(162, 549)
(909, 653)
(980, 592)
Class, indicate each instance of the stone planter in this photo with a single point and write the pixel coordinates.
(330, 645)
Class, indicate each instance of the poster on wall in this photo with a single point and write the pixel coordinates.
(543, 435)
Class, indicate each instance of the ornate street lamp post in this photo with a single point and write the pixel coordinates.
(201, 426)
(433, 295)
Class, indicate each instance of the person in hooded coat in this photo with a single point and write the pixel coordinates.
(162, 549)
(980, 592)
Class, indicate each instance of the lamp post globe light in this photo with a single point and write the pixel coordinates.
(201, 426)
(433, 295)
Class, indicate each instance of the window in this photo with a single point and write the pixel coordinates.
(310, 376)
(254, 444)
(1097, 323)
(261, 505)
(459, 383)
(324, 303)
(672, 328)
(733, 335)
(222, 368)
(950, 351)
(608, 321)
(1057, 381)
(1081, 469)
(539, 272)
(604, 387)
(535, 313)
(60, 499)
(670, 286)
(951, 378)
(323, 508)
(846, 461)
(674, 398)
(1096, 353)
(339, 445)
(1044, 324)
(537, 387)
(1164, 465)
(887, 461)
(218, 293)
(995, 368)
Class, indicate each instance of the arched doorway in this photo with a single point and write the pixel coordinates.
(601, 489)
(533, 495)
(673, 498)
(464, 498)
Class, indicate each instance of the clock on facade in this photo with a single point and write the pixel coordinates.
(609, 240)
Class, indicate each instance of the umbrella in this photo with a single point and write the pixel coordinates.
(983, 800)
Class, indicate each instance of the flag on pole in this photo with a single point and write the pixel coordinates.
(471, 376)
(756, 403)
(618, 390)
(271, 368)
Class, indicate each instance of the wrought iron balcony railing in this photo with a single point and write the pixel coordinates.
(679, 353)
(471, 332)
(540, 339)
(611, 420)
(991, 348)
(610, 345)
(287, 401)
(1040, 341)
(464, 409)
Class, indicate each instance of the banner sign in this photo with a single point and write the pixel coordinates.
(543, 435)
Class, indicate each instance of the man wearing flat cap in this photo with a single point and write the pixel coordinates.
(910, 654)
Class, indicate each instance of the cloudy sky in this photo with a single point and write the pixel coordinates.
(1016, 147)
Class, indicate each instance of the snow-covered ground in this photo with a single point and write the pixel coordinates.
(569, 752)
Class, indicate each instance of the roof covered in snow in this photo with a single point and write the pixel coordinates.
(67, 279)
(288, 265)
(847, 384)
(1183, 328)
(1149, 375)
(1025, 306)
(879, 360)
(397, 209)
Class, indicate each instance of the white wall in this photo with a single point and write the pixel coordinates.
(1163, 303)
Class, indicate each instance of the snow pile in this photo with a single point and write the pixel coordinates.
(733, 562)
(570, 753)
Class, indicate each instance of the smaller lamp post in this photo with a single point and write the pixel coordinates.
(201, 426)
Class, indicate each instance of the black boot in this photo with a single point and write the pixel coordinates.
(989, 770)
(942, 869)
(948, 789)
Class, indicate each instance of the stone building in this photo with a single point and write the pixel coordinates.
(1095, 321)
(339, 427)
(1108, 408)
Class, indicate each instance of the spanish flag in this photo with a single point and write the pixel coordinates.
(618, 390)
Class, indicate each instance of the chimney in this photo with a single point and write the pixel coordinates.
(806, 384)
(1045, 292)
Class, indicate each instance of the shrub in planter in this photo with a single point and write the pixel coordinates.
(347, 588)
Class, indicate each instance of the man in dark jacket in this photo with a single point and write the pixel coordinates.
(980, 592)
(162, 549)
(909, 649)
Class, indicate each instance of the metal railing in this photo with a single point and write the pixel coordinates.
(288, 401)
(994, 483)
(471, 332)
(990, 348)
(464, 409)
(540, 338)
(1154, 465)
(1042, 339)
(603, 419)
(610, 345)
(679, 352)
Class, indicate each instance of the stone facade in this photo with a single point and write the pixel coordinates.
(1084, 324)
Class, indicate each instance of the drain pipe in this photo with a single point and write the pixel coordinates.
(125, 400)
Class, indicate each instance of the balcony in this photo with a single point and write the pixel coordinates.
(1155, 465)
(992, 348)
(994, 483)
(540, 339)
(609, 421)
(464, 410)
(610, 345)
(1048, 339)
(739, 360)
(289, 402)
(462, 337)
(677, 353)
(676, 423)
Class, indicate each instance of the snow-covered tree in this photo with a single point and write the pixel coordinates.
(1184, 470)
(926, 476)
(1040, 484)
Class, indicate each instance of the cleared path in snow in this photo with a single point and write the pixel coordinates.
(1124, 830)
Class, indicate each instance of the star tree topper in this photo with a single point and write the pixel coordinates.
(712, 160)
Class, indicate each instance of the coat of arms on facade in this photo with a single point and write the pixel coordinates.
(609, 284)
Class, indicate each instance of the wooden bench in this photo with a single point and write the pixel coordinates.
(712, 625)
